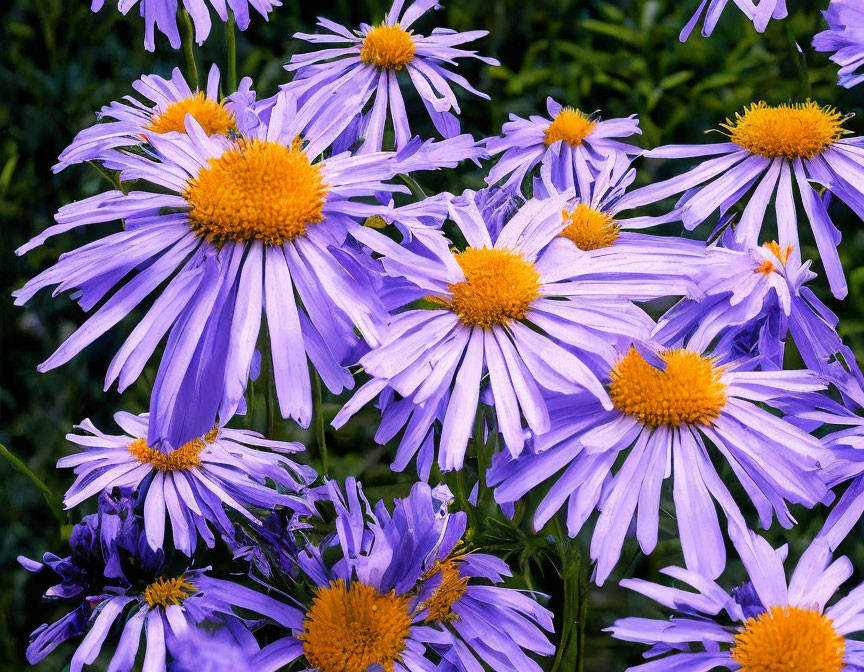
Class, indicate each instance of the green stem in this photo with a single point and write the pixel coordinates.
(188, 42)
(318, 415)
(231, 44)
(50, 498)
(571, 646)
(413, 185)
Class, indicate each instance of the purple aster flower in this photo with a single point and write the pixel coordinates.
(161, 15)
(172, 99)
(759, 12)
(199, 650)
(233, 228)
(395, 588)
(766, 624)
(337, 83)
(667, 410)
(771, 150)
(564, 143)
(193, 483)
(755, 298)
(522, 311)
(844, 39)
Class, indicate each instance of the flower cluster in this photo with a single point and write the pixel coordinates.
(540, 338)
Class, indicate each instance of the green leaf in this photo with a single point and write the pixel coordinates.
(50, 498)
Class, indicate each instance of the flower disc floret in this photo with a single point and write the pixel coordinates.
(210, 114)
(451, 588)
(789, 639)
(388, 47)
(790, 131)
(499, 286)
(571, 126)
(687, 391)
(256, 190)
(185, 457)
(589, 228)
(168, 592)
(350, 629)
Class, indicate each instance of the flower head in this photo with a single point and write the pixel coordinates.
(392, 588)
(168, 103)
(771, 150)
(338, 84)
(674, 408)
(765, 625)
(844, 40)
(525, 311)
(566, 142)
(193, 483)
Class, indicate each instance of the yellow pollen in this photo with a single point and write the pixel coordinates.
(796, 131)
(212, 115)
(687, 391)
(185, 457)
(499, 286)
(590, 229)
(569, 125)
(349, 630)
(168, 592)
(765, 268)
(256, 190)
(388, 47)
(789, 639)
(774, 247)
(451, 588)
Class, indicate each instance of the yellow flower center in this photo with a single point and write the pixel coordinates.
(499, 286)
(569, 125)
(767, 267)
(168, 592)
(590, 229)
(789, 639)
(185, 457)
(451, 588)
(212, 115)
(687, 391)
(796, 131)
(256, 190)
(388, 47)
(349, 630)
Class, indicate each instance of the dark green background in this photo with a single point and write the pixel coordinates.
(60, 63)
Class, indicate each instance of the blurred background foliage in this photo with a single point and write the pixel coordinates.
(60, 63)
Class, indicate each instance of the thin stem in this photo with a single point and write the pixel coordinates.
(318, 415)
(570, 653)
(188, 46)
(231, 44)
(413, 185)
(50, 497)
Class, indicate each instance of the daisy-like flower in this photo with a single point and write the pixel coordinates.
(561, 143)
(161, 15)
(400, 587)
(756, 298)
(522, 310)
(772, 150)
(844, 39)
(764, 625)
(146, 596)
(193, 483)
(235, 227)
(170, 100)
(760, 12)
(668, 411)
(363, 68)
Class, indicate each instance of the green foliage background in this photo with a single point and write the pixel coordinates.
(60, 63)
